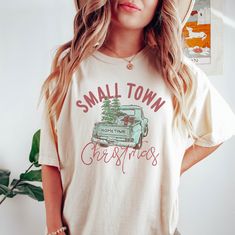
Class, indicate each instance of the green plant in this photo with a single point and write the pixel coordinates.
(21, 186)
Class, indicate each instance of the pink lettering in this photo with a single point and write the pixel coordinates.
(93, 152)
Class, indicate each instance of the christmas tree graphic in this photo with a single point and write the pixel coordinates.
(107, 115)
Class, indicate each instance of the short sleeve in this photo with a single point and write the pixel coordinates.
(211, 116)
(47, 147)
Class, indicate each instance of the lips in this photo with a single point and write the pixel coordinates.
(131, 5)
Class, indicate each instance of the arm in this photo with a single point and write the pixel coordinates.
(52, 190)
(195, 154)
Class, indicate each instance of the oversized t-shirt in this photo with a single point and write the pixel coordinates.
(120, 158)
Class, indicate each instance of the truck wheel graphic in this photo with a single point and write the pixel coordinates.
(138, 146)
(103, 145)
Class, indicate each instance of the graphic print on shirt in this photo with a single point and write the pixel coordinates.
(120, 125)
(120, 133)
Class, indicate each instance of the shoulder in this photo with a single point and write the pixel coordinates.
(83, 68)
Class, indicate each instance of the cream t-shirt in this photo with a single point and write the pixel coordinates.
(120, 158)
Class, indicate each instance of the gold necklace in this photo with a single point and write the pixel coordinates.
(130, 65)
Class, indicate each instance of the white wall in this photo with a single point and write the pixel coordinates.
(29, 34)
(207, 190)
(30, 30)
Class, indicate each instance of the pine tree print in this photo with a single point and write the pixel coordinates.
(115, 107)
(107, 115)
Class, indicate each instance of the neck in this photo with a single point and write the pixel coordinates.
(123, 41)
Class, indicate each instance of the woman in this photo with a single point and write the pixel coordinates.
(121, 104)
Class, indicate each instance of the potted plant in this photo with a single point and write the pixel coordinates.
(23, 185)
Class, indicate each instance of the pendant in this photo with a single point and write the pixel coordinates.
(130, 66)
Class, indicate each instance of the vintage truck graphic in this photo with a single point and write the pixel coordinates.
(122, 125)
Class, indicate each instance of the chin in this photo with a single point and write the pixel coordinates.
(127, 24)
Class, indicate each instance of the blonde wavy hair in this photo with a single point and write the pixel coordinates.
(91, 25)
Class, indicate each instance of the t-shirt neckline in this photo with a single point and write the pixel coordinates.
(117, 60)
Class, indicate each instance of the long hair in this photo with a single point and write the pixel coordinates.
(91, 25)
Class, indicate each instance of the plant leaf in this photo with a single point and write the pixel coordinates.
(33, 175)
(13, 182)
(6, 191)
(34, 152)
(4, 177)
(32, 191)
